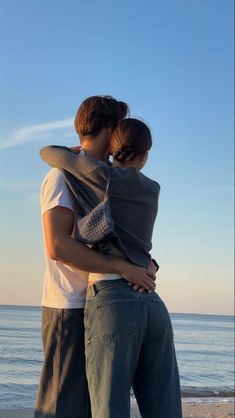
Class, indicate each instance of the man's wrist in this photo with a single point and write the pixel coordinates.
(119, 265)
(155, 263)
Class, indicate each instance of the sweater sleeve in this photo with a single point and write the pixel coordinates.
(66, 159)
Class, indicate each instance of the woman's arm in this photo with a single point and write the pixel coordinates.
(64, 158)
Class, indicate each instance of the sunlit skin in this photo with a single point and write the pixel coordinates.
(98, 148)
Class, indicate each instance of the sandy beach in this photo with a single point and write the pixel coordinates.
(205, 410)
(190, 410)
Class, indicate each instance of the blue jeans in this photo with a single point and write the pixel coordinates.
(129, 342)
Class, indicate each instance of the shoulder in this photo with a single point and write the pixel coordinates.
(136, 176)
(148, 181)
(53, 182)
(55, 192)
(152, 185)
(54, 176)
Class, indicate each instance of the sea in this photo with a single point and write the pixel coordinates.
(204, 347)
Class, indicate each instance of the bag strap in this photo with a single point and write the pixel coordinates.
(107, 185)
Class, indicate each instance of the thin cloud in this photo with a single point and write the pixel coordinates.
(36, 132)
(33, 198)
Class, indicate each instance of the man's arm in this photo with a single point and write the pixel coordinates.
(58, 226)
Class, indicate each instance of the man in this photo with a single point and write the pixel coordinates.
(63, 389)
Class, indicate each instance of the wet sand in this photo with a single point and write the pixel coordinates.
(191, 410)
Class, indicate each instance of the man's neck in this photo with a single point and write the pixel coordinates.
(97, 147)
(96, 155)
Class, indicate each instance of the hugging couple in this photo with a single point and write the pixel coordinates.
(104, 329)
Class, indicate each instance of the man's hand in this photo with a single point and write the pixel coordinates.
(58, 226)
(143, 279)
(152, 268)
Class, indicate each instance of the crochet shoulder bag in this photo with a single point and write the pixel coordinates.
(97, 224)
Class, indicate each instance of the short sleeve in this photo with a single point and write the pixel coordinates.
(54, 192)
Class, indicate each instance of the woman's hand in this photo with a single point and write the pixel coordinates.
(76, 149)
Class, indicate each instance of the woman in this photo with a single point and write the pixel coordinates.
(129, 338)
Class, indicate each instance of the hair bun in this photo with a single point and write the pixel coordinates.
(124, 153)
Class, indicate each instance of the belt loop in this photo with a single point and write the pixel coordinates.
(93, 290)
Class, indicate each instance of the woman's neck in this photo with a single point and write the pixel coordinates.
(125, 165)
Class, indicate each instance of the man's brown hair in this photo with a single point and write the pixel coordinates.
(97, 112)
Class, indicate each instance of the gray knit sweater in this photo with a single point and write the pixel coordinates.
(133, 198)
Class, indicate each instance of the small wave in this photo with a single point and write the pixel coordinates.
(19, 361)
(195, 392)
(14, 396)
(205, 394)
(229, 400)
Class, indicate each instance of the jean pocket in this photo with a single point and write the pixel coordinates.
(165, 317)
(117, 320)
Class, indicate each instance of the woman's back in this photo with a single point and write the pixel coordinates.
(133, 198)
(134, 206)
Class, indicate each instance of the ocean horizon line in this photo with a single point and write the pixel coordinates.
(172, 313)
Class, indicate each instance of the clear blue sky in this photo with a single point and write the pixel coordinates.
(172, 61)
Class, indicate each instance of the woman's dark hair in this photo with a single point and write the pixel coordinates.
(97, 112)
(129, 139)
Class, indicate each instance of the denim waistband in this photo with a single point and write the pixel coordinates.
(94, 288)
(118, 285)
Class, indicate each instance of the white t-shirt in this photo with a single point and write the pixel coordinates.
(64, 286)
